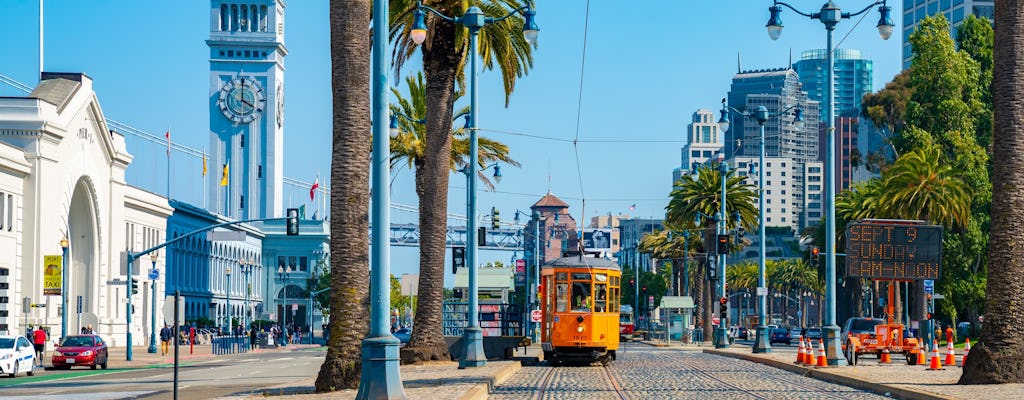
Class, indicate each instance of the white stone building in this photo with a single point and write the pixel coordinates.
(62, 175)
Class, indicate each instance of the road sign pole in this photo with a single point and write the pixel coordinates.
(128, 307)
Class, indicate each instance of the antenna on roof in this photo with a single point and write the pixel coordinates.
(790, 65)
(739, 69)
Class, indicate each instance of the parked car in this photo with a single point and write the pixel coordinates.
(84, 350)
(403, 335)
(16, 355)
(742, 333)
(814, 333)
(780, 335)
(794, 333)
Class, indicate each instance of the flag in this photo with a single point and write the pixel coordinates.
(168, 136)
(632, 207)
(302, 211)
(204, 165)
(224, 177)
(312, 190)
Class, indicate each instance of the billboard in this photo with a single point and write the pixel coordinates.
(52, 274)
(893, 250)
(597, 239)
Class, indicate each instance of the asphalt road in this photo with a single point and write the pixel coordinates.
(226, 376)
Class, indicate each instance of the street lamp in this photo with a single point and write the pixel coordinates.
(474, 19)
(830, 15)
(64, 290)
(762, 344)
(721, 334)
(152, 311)
(246, 267)
(227, 293)
(282, 274)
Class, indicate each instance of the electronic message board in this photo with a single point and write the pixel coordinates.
(893, 250)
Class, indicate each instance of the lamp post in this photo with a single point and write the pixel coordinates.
(762, 344)
(785, 306)
(380, 376)
(152, 310)
(246, 265)
(282, 274)
(830, 15)
(722, 336)
(227, 294)
(474, 19)
(64, 289)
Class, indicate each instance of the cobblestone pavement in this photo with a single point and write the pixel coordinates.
(658, 373)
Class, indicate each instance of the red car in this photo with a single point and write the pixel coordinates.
(84, 350)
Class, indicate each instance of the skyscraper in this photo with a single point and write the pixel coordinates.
(702, 143)
(246, 101)
(852, 74)
(954, 10)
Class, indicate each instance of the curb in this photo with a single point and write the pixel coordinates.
(823, 375)
(481, 391)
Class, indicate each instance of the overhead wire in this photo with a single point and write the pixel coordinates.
(579, 113)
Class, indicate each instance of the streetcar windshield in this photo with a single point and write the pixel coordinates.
(581, 296)
(625, 318)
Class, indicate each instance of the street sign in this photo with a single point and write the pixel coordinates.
(79, 304)
(892, 249)
(715, 320)
(762, 291)
(154, 274)
(929, 286)
(535, 316)
(168, 309)
(225, 236)
(938, 297)
(116, 282)
(124, 265)
(295, 306)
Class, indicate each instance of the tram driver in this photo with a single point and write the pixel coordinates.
(581, 296)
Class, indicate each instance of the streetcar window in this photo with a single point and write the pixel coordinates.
(562, 276)
(600, 296)
(601, 277)
(581, 295)
(561, 297)
(580, 276)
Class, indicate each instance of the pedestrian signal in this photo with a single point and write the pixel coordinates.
(292, 224)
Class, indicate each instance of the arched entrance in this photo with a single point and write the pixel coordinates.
(291, 306)
(82, 254)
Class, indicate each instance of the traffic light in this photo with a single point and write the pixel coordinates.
(458, 258)
(724, 300)
(495, 218)
(481, 237)
(292, 224)
(135, 286)
(723, 244)
(814, 256)
(712, 268)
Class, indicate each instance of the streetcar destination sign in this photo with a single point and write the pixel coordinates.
(888, 249)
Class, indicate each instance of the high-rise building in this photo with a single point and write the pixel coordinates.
(702, 143)
(851, 72)
(778, 191)
(247, 107)
(954, 10)
(847, 133)
(777, 90)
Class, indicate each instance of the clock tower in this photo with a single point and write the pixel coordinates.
(246, 102)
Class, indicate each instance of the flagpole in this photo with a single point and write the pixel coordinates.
(168, 161)
(205, 182)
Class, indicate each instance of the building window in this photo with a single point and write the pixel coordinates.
(783, 173)
(248, 53)
(259, 171)
(241, 140)
(241, 202)
(281, 264)
(814, 187)
(707, 153)
(769, 173)
(769, 201)
(231, 53)
(694, 153)
(2, 210)
(303, 264)
(223, 18)
(292, 263)
(783, 201)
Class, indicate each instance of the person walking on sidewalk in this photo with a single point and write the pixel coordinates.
(949, 335)
(252, 338)
(165, 339)
(39, 340)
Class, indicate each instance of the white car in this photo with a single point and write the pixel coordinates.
(16, 355)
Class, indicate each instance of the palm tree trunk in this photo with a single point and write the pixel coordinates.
(440, 64)
(350, 181)
(999, 357)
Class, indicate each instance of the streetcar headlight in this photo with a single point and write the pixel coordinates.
(579, 328)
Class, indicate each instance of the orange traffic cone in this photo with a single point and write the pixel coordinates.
(807, 356)
(921, 359)
(886, 357)
(822, 361)
(934, 364)
(967, 349)
(950, 355)
(800, 351)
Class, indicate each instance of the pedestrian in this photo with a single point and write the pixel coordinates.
(252, 338)
(39, 337)
(949, 335)
(165, 339)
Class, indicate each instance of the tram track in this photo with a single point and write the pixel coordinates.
(610, 378)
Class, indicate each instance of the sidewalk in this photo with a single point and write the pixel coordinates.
(896, 380)
(431, 380)
(140, 358)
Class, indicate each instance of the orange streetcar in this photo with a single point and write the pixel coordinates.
(580, 299)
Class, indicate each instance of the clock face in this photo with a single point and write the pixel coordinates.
(241, 100)
(280, 105)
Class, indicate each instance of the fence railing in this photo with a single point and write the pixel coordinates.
(230, 344)
(498, 319)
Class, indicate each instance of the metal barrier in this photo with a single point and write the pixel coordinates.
(230, 344)
(496, 319)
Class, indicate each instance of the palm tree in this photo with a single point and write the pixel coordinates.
(350, 179)
(444, 56)
(920, 186)
(998, 357)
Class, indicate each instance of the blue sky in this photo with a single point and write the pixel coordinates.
(647, 69)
